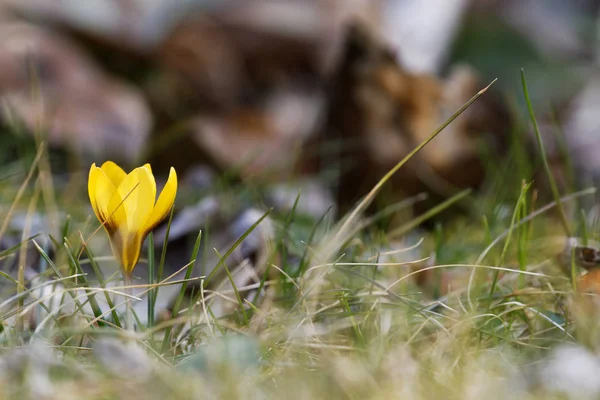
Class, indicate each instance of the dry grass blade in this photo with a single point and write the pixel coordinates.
(362, 206)
(21, 190)
(331, 245)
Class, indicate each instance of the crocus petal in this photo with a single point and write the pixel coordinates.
(113, 172)
(164, 203)
(116, 218)
(130, 252)
(92, 183)
(100, 190)
(135, 197)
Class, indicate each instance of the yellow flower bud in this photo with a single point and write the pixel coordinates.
(126, 206)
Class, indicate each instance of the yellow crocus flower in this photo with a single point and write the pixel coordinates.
(126, 206)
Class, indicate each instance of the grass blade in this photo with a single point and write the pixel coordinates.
(163, 254)
(84, 283)
(151, 299)
(181, 295)
(232, 248)
(429, 214)
(102, 283)
(551, 180)
(235, 289)
(343, 229)
(513, 226)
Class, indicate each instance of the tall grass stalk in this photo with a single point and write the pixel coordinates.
(551, 180)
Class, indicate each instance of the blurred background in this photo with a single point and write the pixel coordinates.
(280, 91)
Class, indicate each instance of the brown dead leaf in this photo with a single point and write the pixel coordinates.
(380, 112)
(48, 84)
(590, 282)
(204, 62)
(265, 141)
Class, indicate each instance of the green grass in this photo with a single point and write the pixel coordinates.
(334, 311)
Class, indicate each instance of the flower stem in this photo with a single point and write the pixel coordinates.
(129, 292)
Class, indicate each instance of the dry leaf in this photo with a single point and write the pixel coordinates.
(48, 84)
(380, 112)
